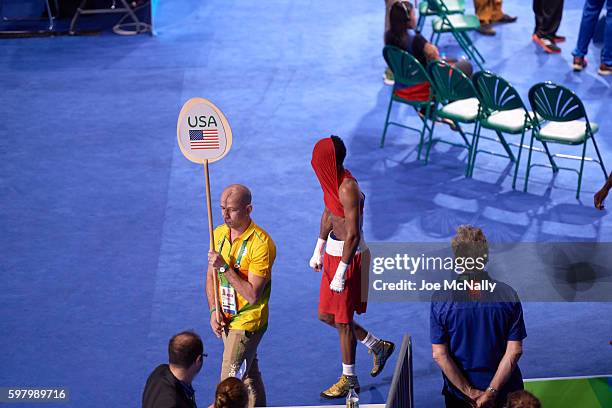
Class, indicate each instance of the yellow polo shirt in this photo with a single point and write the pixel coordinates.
(257, 252)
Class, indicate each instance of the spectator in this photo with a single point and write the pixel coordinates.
(388, 78)
(522, 399)
(489, 12)
(169, 385)
(231, 393)
(401, 22)
(590, 16)
(548, 15)
(477, 335)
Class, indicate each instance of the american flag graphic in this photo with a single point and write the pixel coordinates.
(200, 139)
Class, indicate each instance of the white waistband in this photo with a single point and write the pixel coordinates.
(334, 247)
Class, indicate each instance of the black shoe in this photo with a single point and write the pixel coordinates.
(486, 29)
(507, 19)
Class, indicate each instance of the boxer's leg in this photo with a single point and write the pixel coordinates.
(348, 379)
(380, 349)
(348, 343)
(327, 318)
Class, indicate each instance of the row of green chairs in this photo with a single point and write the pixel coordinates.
(451, 18)
(490, 102)
(425, 10)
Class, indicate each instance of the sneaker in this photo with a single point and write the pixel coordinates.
(547, 44)
(558, 39)
(507, 19)
(388, 78)
(342, 387)
(486, 29)
(579, 63)
(605, 70)
(381, 353)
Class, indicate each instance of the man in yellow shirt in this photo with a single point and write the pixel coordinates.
(243, 263)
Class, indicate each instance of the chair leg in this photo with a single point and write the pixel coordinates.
(475, 51)
(382, 140)
(518, 160)
(420, 23)
(466, 48)
(581, 167)
(502, 140)
(473, 150)
(437, 38)
(50, 15)
(423, 129)
(462, 133)
(472, 52)
(601, 163)
(528, 162)
(430, 141)
(555, 168)
(76, 16)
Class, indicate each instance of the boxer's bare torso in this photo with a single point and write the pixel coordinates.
(350, 193)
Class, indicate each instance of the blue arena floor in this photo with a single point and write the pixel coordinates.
(103, 221)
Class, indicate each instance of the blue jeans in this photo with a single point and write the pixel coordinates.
(590, 16)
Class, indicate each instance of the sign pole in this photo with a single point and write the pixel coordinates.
(212, 239)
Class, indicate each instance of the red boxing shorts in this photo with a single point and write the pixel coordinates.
(341, 305)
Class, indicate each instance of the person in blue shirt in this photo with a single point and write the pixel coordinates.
(477, 335)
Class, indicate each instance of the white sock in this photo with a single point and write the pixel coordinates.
(348, 369)
(370, 341)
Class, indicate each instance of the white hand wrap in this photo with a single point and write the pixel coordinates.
(337, 284)
(317, 257)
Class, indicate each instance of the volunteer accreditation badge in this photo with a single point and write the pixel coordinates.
(228, 297)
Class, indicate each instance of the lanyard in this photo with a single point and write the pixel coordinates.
(241, 251)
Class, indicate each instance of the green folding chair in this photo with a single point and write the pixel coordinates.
(459, 25)
(453, 6)
(456, 93)
(503, 111)
(407, 71)
(561, 118)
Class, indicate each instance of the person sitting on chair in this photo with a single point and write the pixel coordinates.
(402, 20)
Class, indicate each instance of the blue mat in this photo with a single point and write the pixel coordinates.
(104, 226)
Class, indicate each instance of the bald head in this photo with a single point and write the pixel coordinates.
(238, 193)
(236, 206)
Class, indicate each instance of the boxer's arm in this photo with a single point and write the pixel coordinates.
(249, 289)
(350, 199)
(326, 224)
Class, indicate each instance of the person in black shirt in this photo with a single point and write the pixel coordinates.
(169, 385)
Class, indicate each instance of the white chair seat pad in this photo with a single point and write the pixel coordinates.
(566, 132)
(464, 110)
(510, 121)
